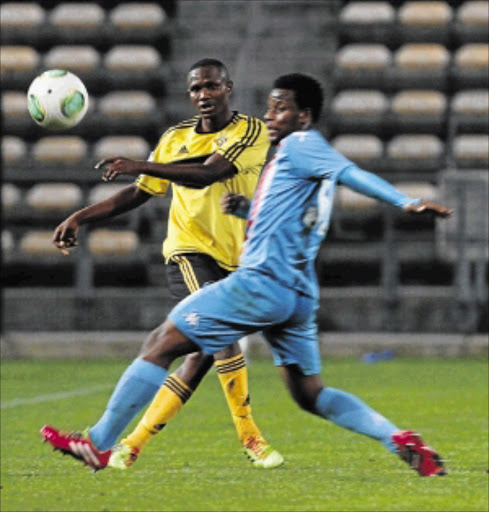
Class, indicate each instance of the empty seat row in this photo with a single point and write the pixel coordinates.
(67, 149)
(426, 151)
(122, 111)
(70, 149)
(86, 20)
(372, 110)
(123, 66)
(415, 21)
(57, 196)
(101, 242)
(412, 65)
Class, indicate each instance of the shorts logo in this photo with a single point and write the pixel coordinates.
(183, 150)
(192, 319)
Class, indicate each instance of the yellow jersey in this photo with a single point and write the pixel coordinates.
(196, 222)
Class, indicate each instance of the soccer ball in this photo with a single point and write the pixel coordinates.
(57, 100)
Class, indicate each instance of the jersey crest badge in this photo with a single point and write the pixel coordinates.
(220, 141)
(192, 319)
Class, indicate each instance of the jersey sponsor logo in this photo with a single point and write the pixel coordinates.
(183, 150)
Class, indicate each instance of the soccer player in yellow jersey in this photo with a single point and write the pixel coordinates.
(224, 152)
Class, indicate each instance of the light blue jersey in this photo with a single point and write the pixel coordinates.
(291, 210)
(275, 288)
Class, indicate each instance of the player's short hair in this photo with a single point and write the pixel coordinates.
(307, 91)
(223, 70)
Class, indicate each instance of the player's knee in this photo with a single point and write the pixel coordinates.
(306, 403)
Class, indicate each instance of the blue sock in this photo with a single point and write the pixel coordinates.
(350, 412)
(136, 387)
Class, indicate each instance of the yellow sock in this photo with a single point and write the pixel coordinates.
(166, 403)
(233, 375)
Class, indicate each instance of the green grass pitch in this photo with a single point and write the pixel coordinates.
(195, 464)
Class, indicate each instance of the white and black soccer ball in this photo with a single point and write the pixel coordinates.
(57, 100)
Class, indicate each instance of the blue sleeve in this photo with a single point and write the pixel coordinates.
(312, 157)
(372, 185)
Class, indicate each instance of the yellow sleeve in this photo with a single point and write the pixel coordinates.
(150, 184)
(249, 146)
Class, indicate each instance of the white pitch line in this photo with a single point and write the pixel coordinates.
(52, 397)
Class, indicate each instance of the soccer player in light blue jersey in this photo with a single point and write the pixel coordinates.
(275, 289)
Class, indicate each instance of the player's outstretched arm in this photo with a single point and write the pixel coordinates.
(429, 207)
(370, 184)
(130, 197)
(235, 204)
(215, 168)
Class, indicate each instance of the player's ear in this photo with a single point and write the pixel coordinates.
(229, 85)
(305, 117)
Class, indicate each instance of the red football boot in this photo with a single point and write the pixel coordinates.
(78, 445)
(418, 455)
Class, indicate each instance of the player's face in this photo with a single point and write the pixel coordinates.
(283, 116)
(209, 91)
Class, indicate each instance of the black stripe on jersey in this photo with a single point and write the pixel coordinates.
(252, 133)
(232, 366)
(188, 123)
(193, 160)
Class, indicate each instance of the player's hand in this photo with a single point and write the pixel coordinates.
(232, 203)
(64, 236)
(116, 165)
(429, 207)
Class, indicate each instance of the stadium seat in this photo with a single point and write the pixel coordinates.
(418, 65)
(14, 150)
(19, 65)
(38, 243)
(471, 66)
(471, 151)
(107, 242)
(15, 116)
(366, 151)
(367, 21)
(54, 196)
(77, 22)
(138, 22)
(129, 112)
(136, 67)
(351, 201)
(121, 145)
(471, 23)
(103, 191)
(413, 110)
(355, 110)
(59, 149)
(425, 21)
(470, 110)
(21, 21)
(362, 65)
(8, 242)
(11, 196)
(83, 60)
(419, 189)
(421, 153)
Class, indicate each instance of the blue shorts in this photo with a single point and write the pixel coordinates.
(246, 302)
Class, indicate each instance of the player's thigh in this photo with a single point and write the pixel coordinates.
(188, 273)
(223, 312)
(295, 342)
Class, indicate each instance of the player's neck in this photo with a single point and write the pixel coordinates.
(217, 123)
